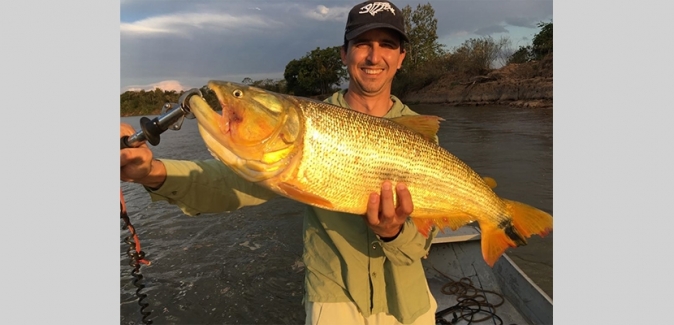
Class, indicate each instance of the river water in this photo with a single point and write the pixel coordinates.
(245, 266)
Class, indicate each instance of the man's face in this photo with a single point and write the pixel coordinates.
(372, 59)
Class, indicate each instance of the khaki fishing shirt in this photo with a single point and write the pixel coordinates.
(345, 261)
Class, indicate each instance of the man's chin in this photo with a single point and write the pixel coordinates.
(371, 87)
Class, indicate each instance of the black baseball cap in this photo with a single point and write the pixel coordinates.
(374, 14)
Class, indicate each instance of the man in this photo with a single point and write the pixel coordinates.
(359, 269)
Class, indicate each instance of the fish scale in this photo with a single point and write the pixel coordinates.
(331, 149)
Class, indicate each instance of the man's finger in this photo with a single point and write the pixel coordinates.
(373, 209)
(387, 204)
(405, 205)
(126, 129)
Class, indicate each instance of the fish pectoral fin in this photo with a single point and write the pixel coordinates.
(426, 125)
(295, 193)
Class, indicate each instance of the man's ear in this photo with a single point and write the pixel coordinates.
(342, 53)
(402, 58)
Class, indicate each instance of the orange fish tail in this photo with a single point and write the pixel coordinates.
(523, 222)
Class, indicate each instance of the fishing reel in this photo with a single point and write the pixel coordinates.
(171, 117)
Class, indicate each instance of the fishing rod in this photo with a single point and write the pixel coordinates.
(171, 117)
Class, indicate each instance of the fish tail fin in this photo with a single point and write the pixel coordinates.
(523, 222)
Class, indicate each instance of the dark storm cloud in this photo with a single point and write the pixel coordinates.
(194, 41)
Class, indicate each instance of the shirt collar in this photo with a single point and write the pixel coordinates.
(338, 99)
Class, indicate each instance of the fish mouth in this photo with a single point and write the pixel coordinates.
(214, 129)
(207, 117)
(218, 125)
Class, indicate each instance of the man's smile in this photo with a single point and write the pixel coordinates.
(372, 71)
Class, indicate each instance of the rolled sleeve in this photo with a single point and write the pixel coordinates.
(409, 246)
(207, 186)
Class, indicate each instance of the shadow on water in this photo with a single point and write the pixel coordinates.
(245, 267)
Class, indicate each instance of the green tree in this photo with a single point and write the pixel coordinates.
(476, 55)
(146, 102)
(278, 86)
(421, 26)
(423, 52)
(318, 72)
(542, 42)
(541, 46)
(522, 55)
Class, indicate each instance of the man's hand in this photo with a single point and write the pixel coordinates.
(386, 217)
(137, 165)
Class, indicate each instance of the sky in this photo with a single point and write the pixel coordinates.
(179, 45)
(64, 61)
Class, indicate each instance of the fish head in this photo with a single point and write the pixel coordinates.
(257, 132)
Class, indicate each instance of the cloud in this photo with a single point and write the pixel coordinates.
(494, 29)
(526, 22)
(186, 24)
(163, 85)
(199, 40)
(323, 13)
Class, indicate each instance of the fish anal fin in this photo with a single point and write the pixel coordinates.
(426, 125)
(453, 221)
(298, 194)
(423, 225)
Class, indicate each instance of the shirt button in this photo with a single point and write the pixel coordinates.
(374, 246)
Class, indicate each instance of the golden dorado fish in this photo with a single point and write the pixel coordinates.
(333, 158)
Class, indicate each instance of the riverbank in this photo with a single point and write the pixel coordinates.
(527, 85)
(520, 85)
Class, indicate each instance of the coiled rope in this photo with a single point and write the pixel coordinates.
(471, 301)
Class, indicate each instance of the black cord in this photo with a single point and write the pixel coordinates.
(471, 301)
(136, 256)
(466, 312)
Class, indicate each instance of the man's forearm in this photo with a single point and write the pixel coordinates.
(156, 177)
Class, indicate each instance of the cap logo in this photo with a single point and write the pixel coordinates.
(376, 7)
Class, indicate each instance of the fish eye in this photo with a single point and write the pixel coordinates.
(237, 93)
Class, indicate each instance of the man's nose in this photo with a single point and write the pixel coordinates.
(374, 56)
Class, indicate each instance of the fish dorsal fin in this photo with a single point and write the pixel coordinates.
(426, 125)
(490, 182)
